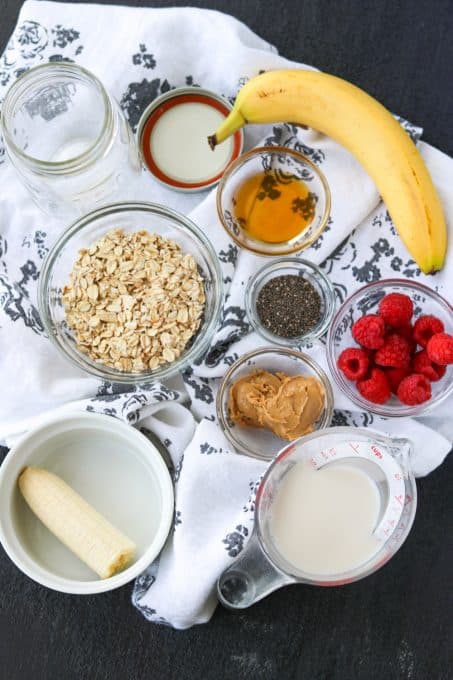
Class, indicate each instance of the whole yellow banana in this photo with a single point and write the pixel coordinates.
(367, 129)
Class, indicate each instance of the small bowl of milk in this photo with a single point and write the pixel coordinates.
(172, 139)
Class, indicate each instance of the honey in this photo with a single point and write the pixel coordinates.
(273, 207)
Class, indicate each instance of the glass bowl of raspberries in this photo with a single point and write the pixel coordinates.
(390, 348)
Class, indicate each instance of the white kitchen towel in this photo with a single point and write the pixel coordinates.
(143, 53)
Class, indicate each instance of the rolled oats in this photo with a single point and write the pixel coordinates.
(134, 300)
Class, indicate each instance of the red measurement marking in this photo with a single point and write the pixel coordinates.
(376, 451)
(399, 499)
(402, 528)
(330, 453)
(397, 476)
(408, 498)
(314, 463)
(354, 447)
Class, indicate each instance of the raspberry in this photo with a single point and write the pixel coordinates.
(440, 348)
(407, 332)
(369, 331)
(395, 376)
(415, 389)
(396, 309)
(422, 364)
(376, 388)
(354, 363)
(425, 327)
(395, 352)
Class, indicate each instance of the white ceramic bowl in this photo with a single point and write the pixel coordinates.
(116, 469)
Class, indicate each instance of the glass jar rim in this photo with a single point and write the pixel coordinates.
(41, 73)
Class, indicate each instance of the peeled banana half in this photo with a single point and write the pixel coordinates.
(368, 130)
(81, 528)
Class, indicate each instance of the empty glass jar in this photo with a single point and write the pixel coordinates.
(68, 139)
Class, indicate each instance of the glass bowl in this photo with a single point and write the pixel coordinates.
(285, 165)
(296, 267)
(259, 442)
(129, 217)
(366, 301)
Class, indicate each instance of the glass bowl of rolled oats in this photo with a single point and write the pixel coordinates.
(131, 292)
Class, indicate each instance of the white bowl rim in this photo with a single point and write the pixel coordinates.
(9, 471)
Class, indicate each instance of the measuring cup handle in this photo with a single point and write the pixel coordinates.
(250, 578)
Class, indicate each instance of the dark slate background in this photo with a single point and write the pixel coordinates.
(396, 624)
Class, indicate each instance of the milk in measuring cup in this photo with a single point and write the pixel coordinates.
(322, 520)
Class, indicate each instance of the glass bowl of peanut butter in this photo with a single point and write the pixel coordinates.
(272, 396)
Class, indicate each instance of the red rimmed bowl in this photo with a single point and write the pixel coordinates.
(172, 139)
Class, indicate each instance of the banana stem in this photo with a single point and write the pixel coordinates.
(233, 122)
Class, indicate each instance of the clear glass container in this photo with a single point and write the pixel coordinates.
(130, 217)
(261, 568)
(293, 266)
(68, 140)
(281, 166)
(260, 442)
(366, 301)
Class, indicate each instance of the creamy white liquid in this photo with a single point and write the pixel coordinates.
(323, 520)
(180, 146)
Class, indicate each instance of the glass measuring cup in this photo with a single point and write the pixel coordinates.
(261, 568)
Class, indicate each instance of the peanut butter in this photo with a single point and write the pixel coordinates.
(287, 405)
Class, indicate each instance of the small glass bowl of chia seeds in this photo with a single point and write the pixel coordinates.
(290, 301)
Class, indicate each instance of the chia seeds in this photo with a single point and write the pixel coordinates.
(288, 306)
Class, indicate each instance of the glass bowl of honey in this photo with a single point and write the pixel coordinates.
(273, 201)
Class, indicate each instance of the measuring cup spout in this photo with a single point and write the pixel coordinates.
(250, 578)
(402, 449)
